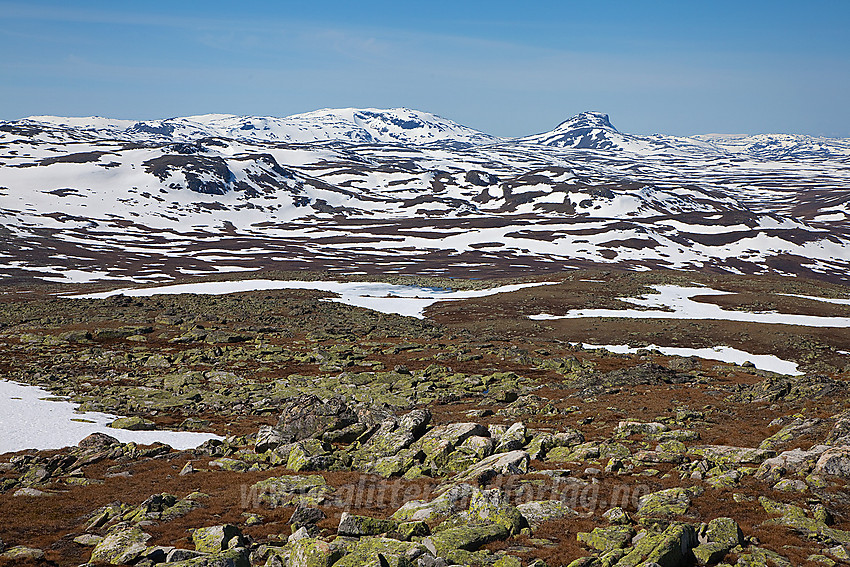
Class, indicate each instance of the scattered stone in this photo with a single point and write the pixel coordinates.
(493, 506)
(835, 462)
(21, 552)
(308, 416)
(539, 511)
(88, 540)
(98, 442)
(670, 502)
(121, 546)
(607, 539)
(217, 538)
(134, 423)
(352, 525)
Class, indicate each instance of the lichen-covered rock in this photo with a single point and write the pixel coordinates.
(438, 443)
(176, 555)
(134, 423)
(514, 462)
(628, 428)
(813, 526)
(709, 553)
(669, 548)
(310, 455)
(728, 455)
(513, 439)
(216, 538)
(409, 530)
(508, 561)
(98, 442)
(448, 503)
(724, 531)
(539, 511)
(789, 432)
(394, 465)
(22, 552)
(494, 506)
(670, 502)
(121, 546)
(229, 558)
(617, 516)
(791, 485)
(469, 538)
(477, 446)
(540, 445)
(718, 478)
(396, 434)
(353, 525)
(795, 461)
(308, 416)
(606, 539)
(371, 551)
(280, 490)
(575, 453)
(86, 539)
(759, 557)
(835, 462)
(840, 433)
(312, 552)
(268, 439)
(306, 515)
(233, 465)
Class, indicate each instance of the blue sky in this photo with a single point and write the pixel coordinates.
(508, 68)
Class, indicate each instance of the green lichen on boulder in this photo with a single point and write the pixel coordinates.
(539, 511)
(668, 548)
(670, 502)
(134, 423)
(353, 525)
(216, 538)
(229, 558)
(607, 539)
(493, 506)
(121, 546)
(469, 538)
(369, 550)
(312, 552)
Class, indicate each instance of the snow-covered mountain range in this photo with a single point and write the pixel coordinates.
(404, 191)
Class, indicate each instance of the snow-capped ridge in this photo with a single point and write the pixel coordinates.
(351, 125)
(587, 119)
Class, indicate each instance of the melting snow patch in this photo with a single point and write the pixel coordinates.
(386, 298)
(674, 302)
(722, 353)
(824, 299)
(29, 421)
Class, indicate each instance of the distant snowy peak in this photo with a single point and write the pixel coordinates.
(362, 126)
(396, 125)
(592, 131)
(587, 120)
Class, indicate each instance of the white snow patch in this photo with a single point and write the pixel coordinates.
(674, 302)
(824, 299)
(385, 298)
(29, 421)
(722, 353)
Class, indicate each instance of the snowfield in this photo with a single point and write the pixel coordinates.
(31, 418)
(385, 298)
(405, 191)
(676, 302)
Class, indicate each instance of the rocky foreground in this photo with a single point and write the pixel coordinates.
(353, 438)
